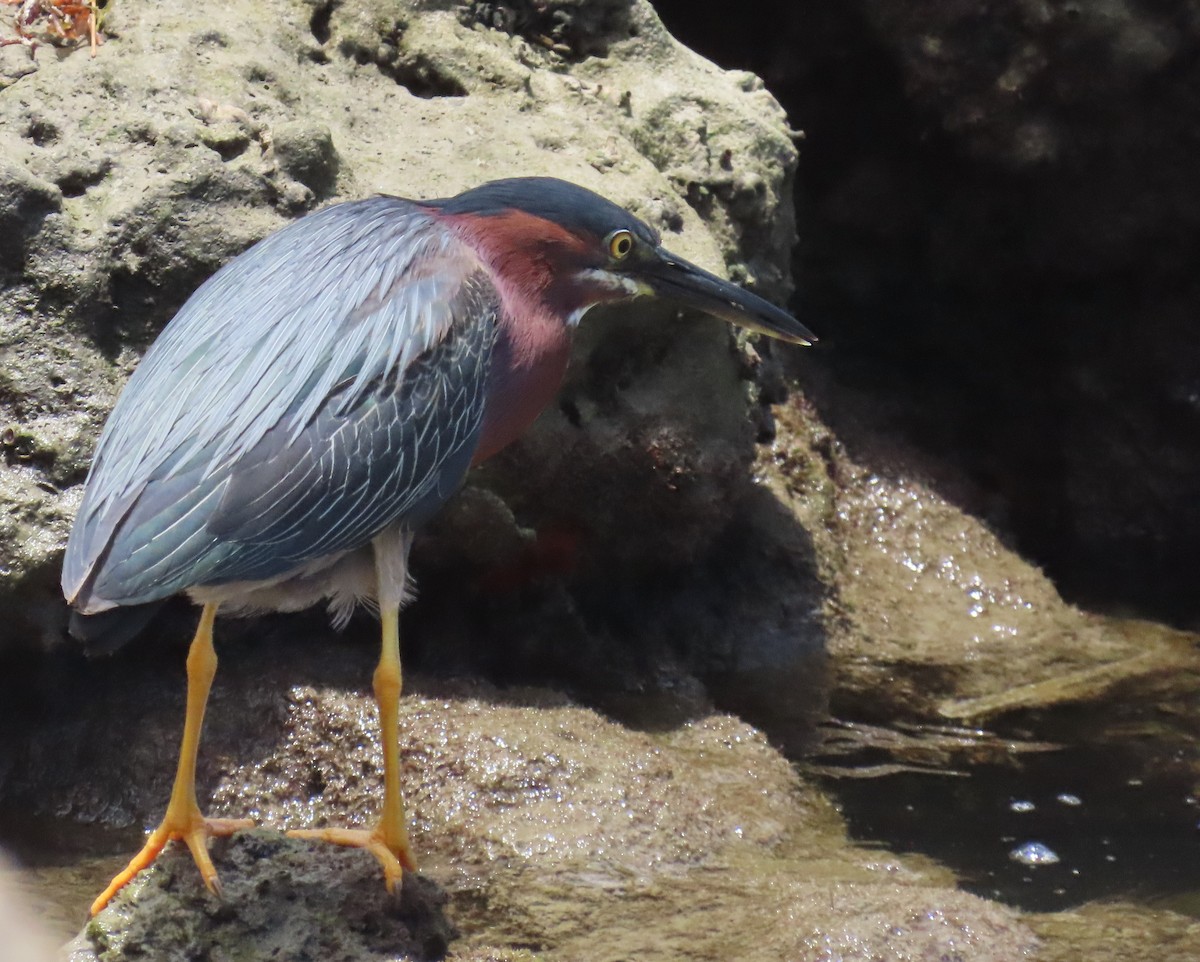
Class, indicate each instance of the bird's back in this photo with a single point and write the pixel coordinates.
(322, 385)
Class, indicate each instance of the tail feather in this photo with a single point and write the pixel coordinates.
(106, 631)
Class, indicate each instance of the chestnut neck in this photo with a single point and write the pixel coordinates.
(526, 258)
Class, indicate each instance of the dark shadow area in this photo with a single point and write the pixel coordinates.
(738, 628)
(998, 240)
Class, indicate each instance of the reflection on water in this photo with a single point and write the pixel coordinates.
(1043, 830)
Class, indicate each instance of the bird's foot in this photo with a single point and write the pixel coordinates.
(389, 844)
(189, 826)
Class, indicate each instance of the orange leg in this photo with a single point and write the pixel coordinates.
(388, 840)
(183, 819)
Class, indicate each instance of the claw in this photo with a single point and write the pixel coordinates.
(194, 830)
(394, 855)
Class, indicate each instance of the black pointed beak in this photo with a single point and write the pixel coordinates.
(682, 283)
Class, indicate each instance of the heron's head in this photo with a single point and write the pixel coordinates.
(572, 249)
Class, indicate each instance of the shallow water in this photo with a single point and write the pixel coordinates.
(1043, 830)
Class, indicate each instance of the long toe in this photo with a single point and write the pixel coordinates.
(394, 855)
(194, 830)
(197, 838)
(149, 852)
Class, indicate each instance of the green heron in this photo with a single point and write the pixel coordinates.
(321, 396)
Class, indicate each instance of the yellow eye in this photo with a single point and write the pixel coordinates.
(620, 243)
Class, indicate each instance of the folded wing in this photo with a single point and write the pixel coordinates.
(322, 385)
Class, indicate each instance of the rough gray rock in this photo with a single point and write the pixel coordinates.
(27, 202)
(279, 900)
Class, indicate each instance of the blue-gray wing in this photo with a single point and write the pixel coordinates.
(322, 385)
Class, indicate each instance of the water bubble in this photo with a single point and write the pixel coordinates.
(1034, 853)
(1068, 799)
(1022, 806)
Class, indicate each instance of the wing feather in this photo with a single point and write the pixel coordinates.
(314, 390)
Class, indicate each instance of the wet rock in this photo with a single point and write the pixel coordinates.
(932, 614)
(277, 901)
(1000, 227)
(1071, 120)
(544, 781)
(540, 825)
(1115, 931)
